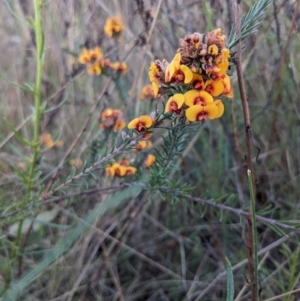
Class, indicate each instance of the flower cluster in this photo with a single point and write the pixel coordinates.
(47, 140)
(78, 163)
(95, 62)
(195, 76)
(92, 58)
(120, 169)
(143, 144)
(112, 119)
(114, 27)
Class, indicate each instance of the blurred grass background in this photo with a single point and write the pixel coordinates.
(137, 246)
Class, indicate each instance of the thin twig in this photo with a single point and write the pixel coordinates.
(131, 250)
(238, 212)
(247, 123)
(112, 272)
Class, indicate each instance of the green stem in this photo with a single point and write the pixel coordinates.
(39, 39)
(254, 233)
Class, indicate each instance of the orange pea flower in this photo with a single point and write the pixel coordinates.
(175, 71)
(95, 69)
(76, 162)
(111, 118)
(174, 103)
(228, 92)
(113, 26)
(90, 55)
(121, 67)
(147, 92)
(194, 97)
(46, 140)
(198, 82)
(149, 161)
(130, 170)
(141, 124)
(91, 58)
(200, 113)
(115, 170)
(108, 113)
(120, 124)
(84, 57)
(215, 88)
(120, 170)
(142, 145)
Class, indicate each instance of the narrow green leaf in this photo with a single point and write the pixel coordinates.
(18, 136)
(230, 281)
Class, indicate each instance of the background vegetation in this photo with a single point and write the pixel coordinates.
(99, 238)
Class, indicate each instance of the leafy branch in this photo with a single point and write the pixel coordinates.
(249, 23)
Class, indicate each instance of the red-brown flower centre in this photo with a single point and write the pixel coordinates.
(93, 58)
(199, 101)
(174, 107)
(117, 171)
(140, 127)
(202, 116)
(180, 76)
(199, 85)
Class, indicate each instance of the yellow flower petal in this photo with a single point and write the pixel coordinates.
(155, 88)
(146, 120)
(211, 110)
(110, 171)
(174, 103)
(107, 113)
(141, 123)
(173, 68)
(149, 161)
(120, 124)
(130, 170)
(188, 74)
(226, 52)
(220, 107)
(113, 26)
(194, 97)
(190, 97)
(222, 63)
(95, 69)
(177, 59)
(153, 72)
(121, 67)
(215, 88)
(193, 112)
(96, 54)
(133, 123)
(84, 56)
(199, 113)
(213, 50)
(170, 71)
(120, 170)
